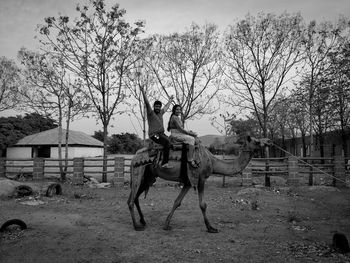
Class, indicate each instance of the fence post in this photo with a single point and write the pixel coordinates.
(38, 168)
(311, 174)
(247, 175)
(339, 171)
(78, 170)
(118, 171)
(292, 171)
(2, 167)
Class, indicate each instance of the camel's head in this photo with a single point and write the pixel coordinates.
(253, 144)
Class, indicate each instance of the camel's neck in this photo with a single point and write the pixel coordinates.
(231, 167)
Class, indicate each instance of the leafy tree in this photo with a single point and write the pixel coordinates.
(125, 143)
(13, 129)
(250, 125)
(98, 135)
(100, 47)
(9, 76)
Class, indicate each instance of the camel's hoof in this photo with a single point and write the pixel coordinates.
(143, 222)
(167, 227)
(139, 228)
(213, 230)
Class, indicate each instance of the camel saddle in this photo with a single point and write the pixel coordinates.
(153, 153)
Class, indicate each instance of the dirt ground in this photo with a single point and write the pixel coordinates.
(256, 224)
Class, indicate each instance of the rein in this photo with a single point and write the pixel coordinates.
(340, 180)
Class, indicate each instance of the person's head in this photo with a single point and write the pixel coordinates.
(157, 106)
(176, 110)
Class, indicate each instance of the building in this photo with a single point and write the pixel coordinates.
(45, 144)
(332, 145)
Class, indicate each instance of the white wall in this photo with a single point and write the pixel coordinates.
(88, 152)
(74, 152)
(26, 152)
(19, 152)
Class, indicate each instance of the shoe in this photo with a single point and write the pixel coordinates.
(167, 166)
(193, 163)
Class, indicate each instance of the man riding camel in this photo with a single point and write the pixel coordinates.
(156, 126)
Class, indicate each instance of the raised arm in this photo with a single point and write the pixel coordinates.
(166, 106)
(148, 106)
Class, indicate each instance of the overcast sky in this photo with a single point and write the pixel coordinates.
(19, 19)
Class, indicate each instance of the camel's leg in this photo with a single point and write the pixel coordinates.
(131, 202)
(203, 206)
(134, 200)
(177, 203)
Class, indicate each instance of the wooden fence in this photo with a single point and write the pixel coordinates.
(117, 169)
(303, 171)
(333, 171)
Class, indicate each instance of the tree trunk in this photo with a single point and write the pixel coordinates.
(64, 174)
(60, 143)
(321, 139)
(343, 142)
(303, 141)
(105, 143)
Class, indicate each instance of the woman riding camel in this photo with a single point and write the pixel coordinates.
(176, 127)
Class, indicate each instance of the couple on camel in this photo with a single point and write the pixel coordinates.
(175, 126)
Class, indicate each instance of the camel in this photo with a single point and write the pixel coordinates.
(144, 173)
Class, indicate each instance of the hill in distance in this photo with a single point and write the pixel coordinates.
(207, 140)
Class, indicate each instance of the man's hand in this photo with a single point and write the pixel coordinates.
(193, 133)
(171, 98)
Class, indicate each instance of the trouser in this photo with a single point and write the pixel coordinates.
(163, 140)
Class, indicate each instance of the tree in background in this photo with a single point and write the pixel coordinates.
(278, 124)
(260, 53)
(100, 47)
(125, 143)
(298, 121)
(339, 82)
(13, 129)
(319, 41)
(47, 88)
(141, 75)
(9, 76)
(187, 65)
(98, 135)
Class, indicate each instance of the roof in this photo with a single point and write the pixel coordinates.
(50, 137)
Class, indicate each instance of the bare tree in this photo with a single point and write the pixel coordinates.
(339, 83)
(188, 66)
(141, 75)
(47, 89)
(298, 120)
(99, 47)
(9, 76)
(318, 41)
(278, 124)
(260, 54)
